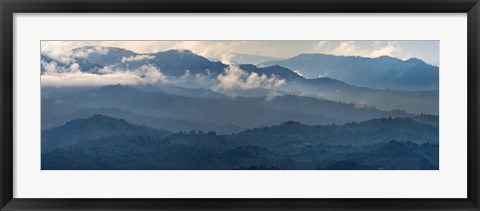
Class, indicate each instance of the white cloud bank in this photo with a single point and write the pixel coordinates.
(272, 95)
(137, 58)
(61, 52)
(236, 78)
(354, 48)
(146, 74)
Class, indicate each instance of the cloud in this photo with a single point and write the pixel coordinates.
(49, 67)
(386, 50)
(107, 69)
(61, 52)
(150, 74)
(272, 95)
(137, 58)
(320, 45)
(89, 79)
(52, 67)
(75, 67)
(226, 58)
(236, 78)
(345, 48)
(59, 56)
(84, 52)
(298, 72)
(361, 104)
(222, 50)
(146, 74)
(358, 48)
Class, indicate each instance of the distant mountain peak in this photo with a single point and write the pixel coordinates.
(96, 118)
(387, 57)
(116, 88)
(384, 72)
(415, 60)
(94, 127)
(101, 116)
(180, 51)
(100, 48)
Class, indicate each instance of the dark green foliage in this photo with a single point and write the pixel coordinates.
(283, 136)
(347, 165)
(291, 145)
(95, 127)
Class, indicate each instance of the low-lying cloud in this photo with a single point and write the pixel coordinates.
(272, 95)
(146, 74)
(137, 58)
(68, 56)
(236, 78)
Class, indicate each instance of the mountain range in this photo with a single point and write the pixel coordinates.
(177, 110)
(188, 70)
(385, 143)
(223, 114)
(379, 73)
(241, 58)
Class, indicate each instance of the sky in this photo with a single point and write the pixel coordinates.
(427, 51)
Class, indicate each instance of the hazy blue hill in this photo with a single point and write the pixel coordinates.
(242, 113)
(182, 91)
(301, 105)
(411, 101)
(427, 119)
(280, 72)
(250, 93)
(391, 143)
(329, 83)
(382, 73)
(174, 125)
(94, 127)
(362, 114)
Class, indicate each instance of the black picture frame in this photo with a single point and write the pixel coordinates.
(9, 7)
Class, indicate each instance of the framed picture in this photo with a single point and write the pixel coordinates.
(259, 105)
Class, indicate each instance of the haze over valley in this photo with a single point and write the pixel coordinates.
(111, 108)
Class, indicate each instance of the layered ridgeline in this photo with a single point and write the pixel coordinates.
(183, 113)
(184, 69)
(178, 110)
(381, 73)
(102, 142)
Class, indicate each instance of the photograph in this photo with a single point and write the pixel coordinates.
(239, 104)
